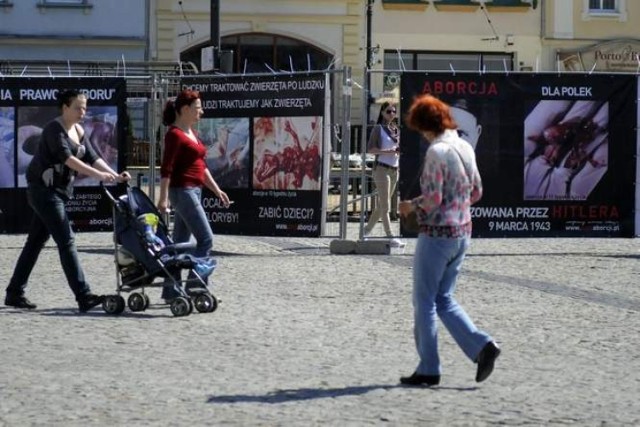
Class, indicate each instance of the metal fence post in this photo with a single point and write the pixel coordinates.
(347, 91)
(153, 121)
(363, 137)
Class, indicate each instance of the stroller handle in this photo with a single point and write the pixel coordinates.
(108, 193)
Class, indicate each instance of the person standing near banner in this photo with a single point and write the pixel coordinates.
(62, 153)
(384, 142)
(450, 184)
(183, 173)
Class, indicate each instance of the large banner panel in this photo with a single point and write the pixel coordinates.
(556, 152)
(265, 144)
(26, 106)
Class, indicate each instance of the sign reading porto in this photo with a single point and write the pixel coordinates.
(265, 144)
(26, 106)
(556, 152)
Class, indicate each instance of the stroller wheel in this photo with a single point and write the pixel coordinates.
(137, 302)
(113, 304)
(205, 303)
(181, 306)
(147, 301)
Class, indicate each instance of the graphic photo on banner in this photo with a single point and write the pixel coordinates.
(99, 125)
(287, 153)
(228, 148)
(7, 147)
(467, 119)
(478, 123)
(546, 149)
(566, 149)
(31, 121)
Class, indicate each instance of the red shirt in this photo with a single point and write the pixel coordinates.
(183, 161)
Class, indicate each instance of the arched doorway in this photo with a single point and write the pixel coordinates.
(257, 52)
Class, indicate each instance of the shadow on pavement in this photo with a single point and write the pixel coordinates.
(290, 395)
(73, 312)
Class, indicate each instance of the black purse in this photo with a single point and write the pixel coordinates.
(410, 223)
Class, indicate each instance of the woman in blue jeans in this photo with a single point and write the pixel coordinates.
(450, 183)
(63, 152)
(183, 174)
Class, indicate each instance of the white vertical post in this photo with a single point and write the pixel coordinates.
(347, 91)
(326, 152)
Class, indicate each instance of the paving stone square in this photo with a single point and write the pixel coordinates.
(303, 337)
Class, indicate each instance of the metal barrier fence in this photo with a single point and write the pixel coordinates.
(149, 84)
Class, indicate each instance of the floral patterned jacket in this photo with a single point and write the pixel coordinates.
(449, 187)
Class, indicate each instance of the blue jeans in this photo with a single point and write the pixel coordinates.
(436, 265)
(190, 219)
(49, 219)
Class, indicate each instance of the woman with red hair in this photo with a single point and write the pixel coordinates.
(183, 173)
(450, 183)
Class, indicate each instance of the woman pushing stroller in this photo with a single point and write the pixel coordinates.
(63, 152)
(183, 174)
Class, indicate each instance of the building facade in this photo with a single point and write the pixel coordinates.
(386, 36)
(389, 36)
(265, 35)
(592, 35)
(275, 35)
(450, 36)
(73, 30)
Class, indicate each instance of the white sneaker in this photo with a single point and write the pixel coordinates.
(395, 243)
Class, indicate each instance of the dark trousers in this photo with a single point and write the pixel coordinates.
(49, 219)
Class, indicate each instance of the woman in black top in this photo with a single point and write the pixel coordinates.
(62, 153)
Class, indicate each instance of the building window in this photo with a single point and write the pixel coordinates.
(85, 4)
(604, 9)
(265, 53)
(404, 4)
(80, 2)
(456, 5)
(607, 6)
(442, 61)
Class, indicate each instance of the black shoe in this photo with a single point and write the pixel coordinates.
(418, 379)
(486, 360)
(19, 302)
(88, 301)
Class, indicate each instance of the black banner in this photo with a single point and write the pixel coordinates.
(265, 143)
(26, 106)
(556, 152)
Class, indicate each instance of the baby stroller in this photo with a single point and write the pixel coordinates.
(144, 252)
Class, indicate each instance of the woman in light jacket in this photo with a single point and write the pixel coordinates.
(450, 183)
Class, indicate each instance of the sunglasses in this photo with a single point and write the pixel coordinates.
(390, 111)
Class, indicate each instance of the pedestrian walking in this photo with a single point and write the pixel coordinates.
(450, 183)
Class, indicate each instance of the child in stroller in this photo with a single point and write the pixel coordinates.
(144, 252)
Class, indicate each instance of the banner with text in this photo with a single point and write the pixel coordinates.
(26, 106)
(556, 152)
(264, 137)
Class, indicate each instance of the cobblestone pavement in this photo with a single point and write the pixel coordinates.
(303, 338)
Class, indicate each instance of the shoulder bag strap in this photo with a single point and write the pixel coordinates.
(464, 165)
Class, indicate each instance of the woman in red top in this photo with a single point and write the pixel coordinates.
(183, 173)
